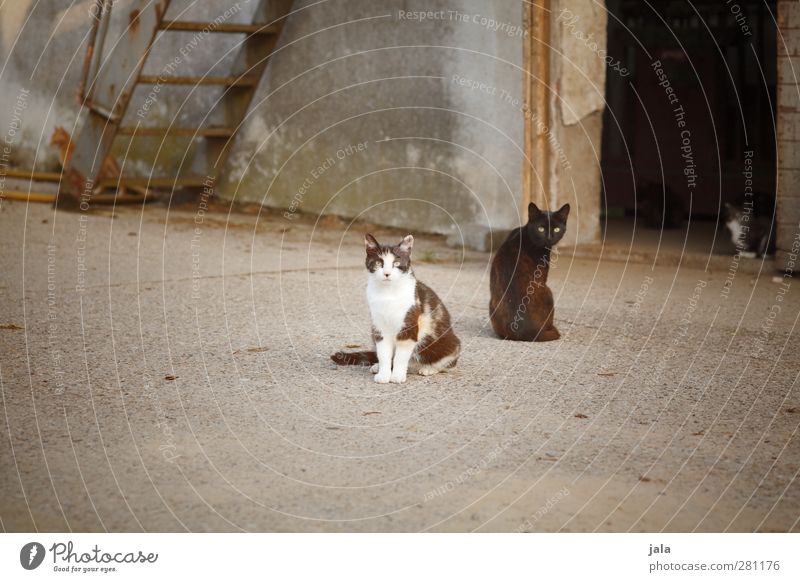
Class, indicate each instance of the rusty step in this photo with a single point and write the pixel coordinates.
(160, 181)
(229, 81)
(183, 25)
(176, 131)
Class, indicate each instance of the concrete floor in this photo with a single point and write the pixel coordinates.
(182, 382)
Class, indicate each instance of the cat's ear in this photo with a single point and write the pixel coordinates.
(407, 243)
(372, 244)
(563, 212)
(533, 212)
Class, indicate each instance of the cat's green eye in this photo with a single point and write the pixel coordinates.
(557, 229)
(541, 229)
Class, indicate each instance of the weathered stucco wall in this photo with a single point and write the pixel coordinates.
(370, 108)
(788, 136)
(433, 99)
(41, 51)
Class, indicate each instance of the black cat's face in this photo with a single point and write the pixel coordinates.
(545, 228)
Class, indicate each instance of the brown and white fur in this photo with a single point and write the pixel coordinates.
(409, 321)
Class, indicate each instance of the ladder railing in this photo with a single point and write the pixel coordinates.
(101, 15)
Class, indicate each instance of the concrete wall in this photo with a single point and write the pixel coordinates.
(434, 101)
(369, 109)
(788, 134)
(41, 51)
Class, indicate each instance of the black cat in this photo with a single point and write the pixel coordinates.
(521, 305)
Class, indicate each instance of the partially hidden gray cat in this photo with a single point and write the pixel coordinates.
(753, 234)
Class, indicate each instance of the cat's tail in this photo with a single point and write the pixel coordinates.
(355, 358)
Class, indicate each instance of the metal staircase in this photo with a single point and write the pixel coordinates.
(109, 82)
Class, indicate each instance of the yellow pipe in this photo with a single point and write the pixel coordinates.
(103, 199)
(28, 196)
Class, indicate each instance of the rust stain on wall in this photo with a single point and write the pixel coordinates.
(133, 20)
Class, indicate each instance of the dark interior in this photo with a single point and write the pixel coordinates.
(720, 59)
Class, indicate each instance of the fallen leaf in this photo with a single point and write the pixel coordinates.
(791, 410)
(256, 349)
(353, 346)
(170, 377)
(581, 415)
(333, 428)
(699, 433)
(9, 326)
(370, 412)
(606, 373)
(644, 479)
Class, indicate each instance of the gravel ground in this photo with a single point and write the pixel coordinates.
(168, 371)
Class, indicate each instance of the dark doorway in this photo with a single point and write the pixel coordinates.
(714, 59)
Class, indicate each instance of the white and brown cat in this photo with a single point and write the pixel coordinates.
(409, 321)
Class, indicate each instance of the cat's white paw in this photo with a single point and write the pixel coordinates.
(374, 368)
(398, 378)
(382, 378)
(427, 371)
